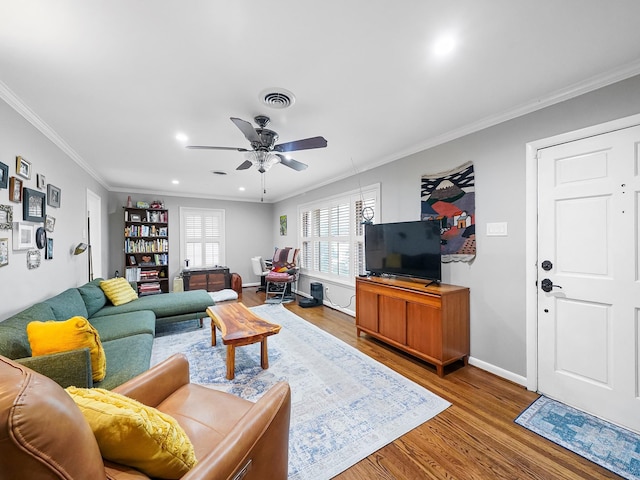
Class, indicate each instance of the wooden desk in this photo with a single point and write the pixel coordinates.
(239, 326)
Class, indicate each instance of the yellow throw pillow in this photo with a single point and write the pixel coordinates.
(118, 290)
(131, 433)
(53, 337)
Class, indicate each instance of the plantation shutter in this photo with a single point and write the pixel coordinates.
(332, 234)
(203, 237)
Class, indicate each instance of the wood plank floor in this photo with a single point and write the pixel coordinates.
(475, 438)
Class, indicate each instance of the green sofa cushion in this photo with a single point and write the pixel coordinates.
(93, 296)
(164, 305)
(67, 304)
(122, 325)
(126, 358)
(14, 342)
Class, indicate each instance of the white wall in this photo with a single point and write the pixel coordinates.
(496, 277)
(20, 287)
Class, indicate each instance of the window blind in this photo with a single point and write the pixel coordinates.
(202, 237)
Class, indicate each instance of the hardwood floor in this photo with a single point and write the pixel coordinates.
(475, 438)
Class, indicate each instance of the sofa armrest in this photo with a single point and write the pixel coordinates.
(257, 444)
(72, 368)
(157, 383)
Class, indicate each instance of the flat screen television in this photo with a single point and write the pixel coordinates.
(410, 249)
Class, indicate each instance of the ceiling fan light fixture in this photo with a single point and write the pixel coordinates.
(279, 98)
(263, 160)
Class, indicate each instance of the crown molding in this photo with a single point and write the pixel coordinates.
(23, 109)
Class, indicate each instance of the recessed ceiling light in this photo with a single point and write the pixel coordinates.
(181, 137)
(242, 189)
(175, 182)
(444, 45)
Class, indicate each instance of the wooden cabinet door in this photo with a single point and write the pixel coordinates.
(367, 309)
(424, 329)
(393, 319)
(198, 281)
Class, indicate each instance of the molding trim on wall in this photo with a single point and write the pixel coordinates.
(500, 372)
(19, 106)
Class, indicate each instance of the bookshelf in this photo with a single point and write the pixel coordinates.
(146, 249)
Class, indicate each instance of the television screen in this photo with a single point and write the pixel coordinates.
(404, 248)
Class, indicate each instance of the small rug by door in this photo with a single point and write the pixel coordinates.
(608, 445)
(345, 405)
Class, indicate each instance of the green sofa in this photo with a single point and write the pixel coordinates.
(126, 332)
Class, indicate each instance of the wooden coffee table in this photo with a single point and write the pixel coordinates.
(239, 326)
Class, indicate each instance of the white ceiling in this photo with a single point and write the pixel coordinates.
(113, 81)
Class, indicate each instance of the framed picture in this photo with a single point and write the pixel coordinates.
(23, 168)
(42, 181)
(135, 217)
(53, 196)
(6, 217)
(15, 189)
(33, 206)
(33, 259)
(4, 252)
(4, 175)
(49, 223)
(41, 238)
(283, 225)
(48, 254)
(132, 260)
(23, 236)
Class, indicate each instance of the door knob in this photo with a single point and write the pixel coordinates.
(547, 285)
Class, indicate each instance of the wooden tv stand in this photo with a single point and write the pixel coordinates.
(431, 323)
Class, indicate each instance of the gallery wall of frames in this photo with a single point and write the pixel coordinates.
(28, 219)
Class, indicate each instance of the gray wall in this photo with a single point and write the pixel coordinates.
(20, 287)
(248, 229)
(496, 277)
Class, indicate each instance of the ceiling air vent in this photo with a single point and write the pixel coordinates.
(218, 172)
(277, 98)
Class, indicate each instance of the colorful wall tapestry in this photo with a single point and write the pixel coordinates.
(449, 199)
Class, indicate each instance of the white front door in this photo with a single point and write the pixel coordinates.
(589, 275)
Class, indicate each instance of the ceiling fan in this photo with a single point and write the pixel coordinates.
(263, 152)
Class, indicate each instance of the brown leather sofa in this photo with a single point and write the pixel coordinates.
(43, 434)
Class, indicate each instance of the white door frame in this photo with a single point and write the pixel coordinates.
(531, 225)
(94, 200)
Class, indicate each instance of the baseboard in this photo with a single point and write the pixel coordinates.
(500, 372)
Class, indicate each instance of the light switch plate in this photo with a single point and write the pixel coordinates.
(497, 229)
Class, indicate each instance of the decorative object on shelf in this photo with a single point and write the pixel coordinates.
(6, 217)
(53, 196)
(33, 259)
(15, 189)
(367, 215)
(33, 205)
(49, 223)
(4, 252)
(449, 198)
(41, 237)
(23, 236)
(135, 218)
(48, 255)
(42, 181)
(4, 175)
(283, 225)
(129, 204)
(142, 205)
(23, 168)
(157, 204)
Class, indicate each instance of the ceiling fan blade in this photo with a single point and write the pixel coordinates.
(306, 144)
(247, 129)
(291, 163)
(244, 165)
(207, 147)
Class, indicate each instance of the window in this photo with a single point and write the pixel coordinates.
(202, 237)
(332, 234)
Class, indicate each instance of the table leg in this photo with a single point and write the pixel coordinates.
(213, 334)
(264, 356)
(231, 362)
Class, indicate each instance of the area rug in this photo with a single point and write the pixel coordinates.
(610, 446)
(345, 405)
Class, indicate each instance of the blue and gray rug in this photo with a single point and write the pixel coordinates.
(345, 405)
(610, 446)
